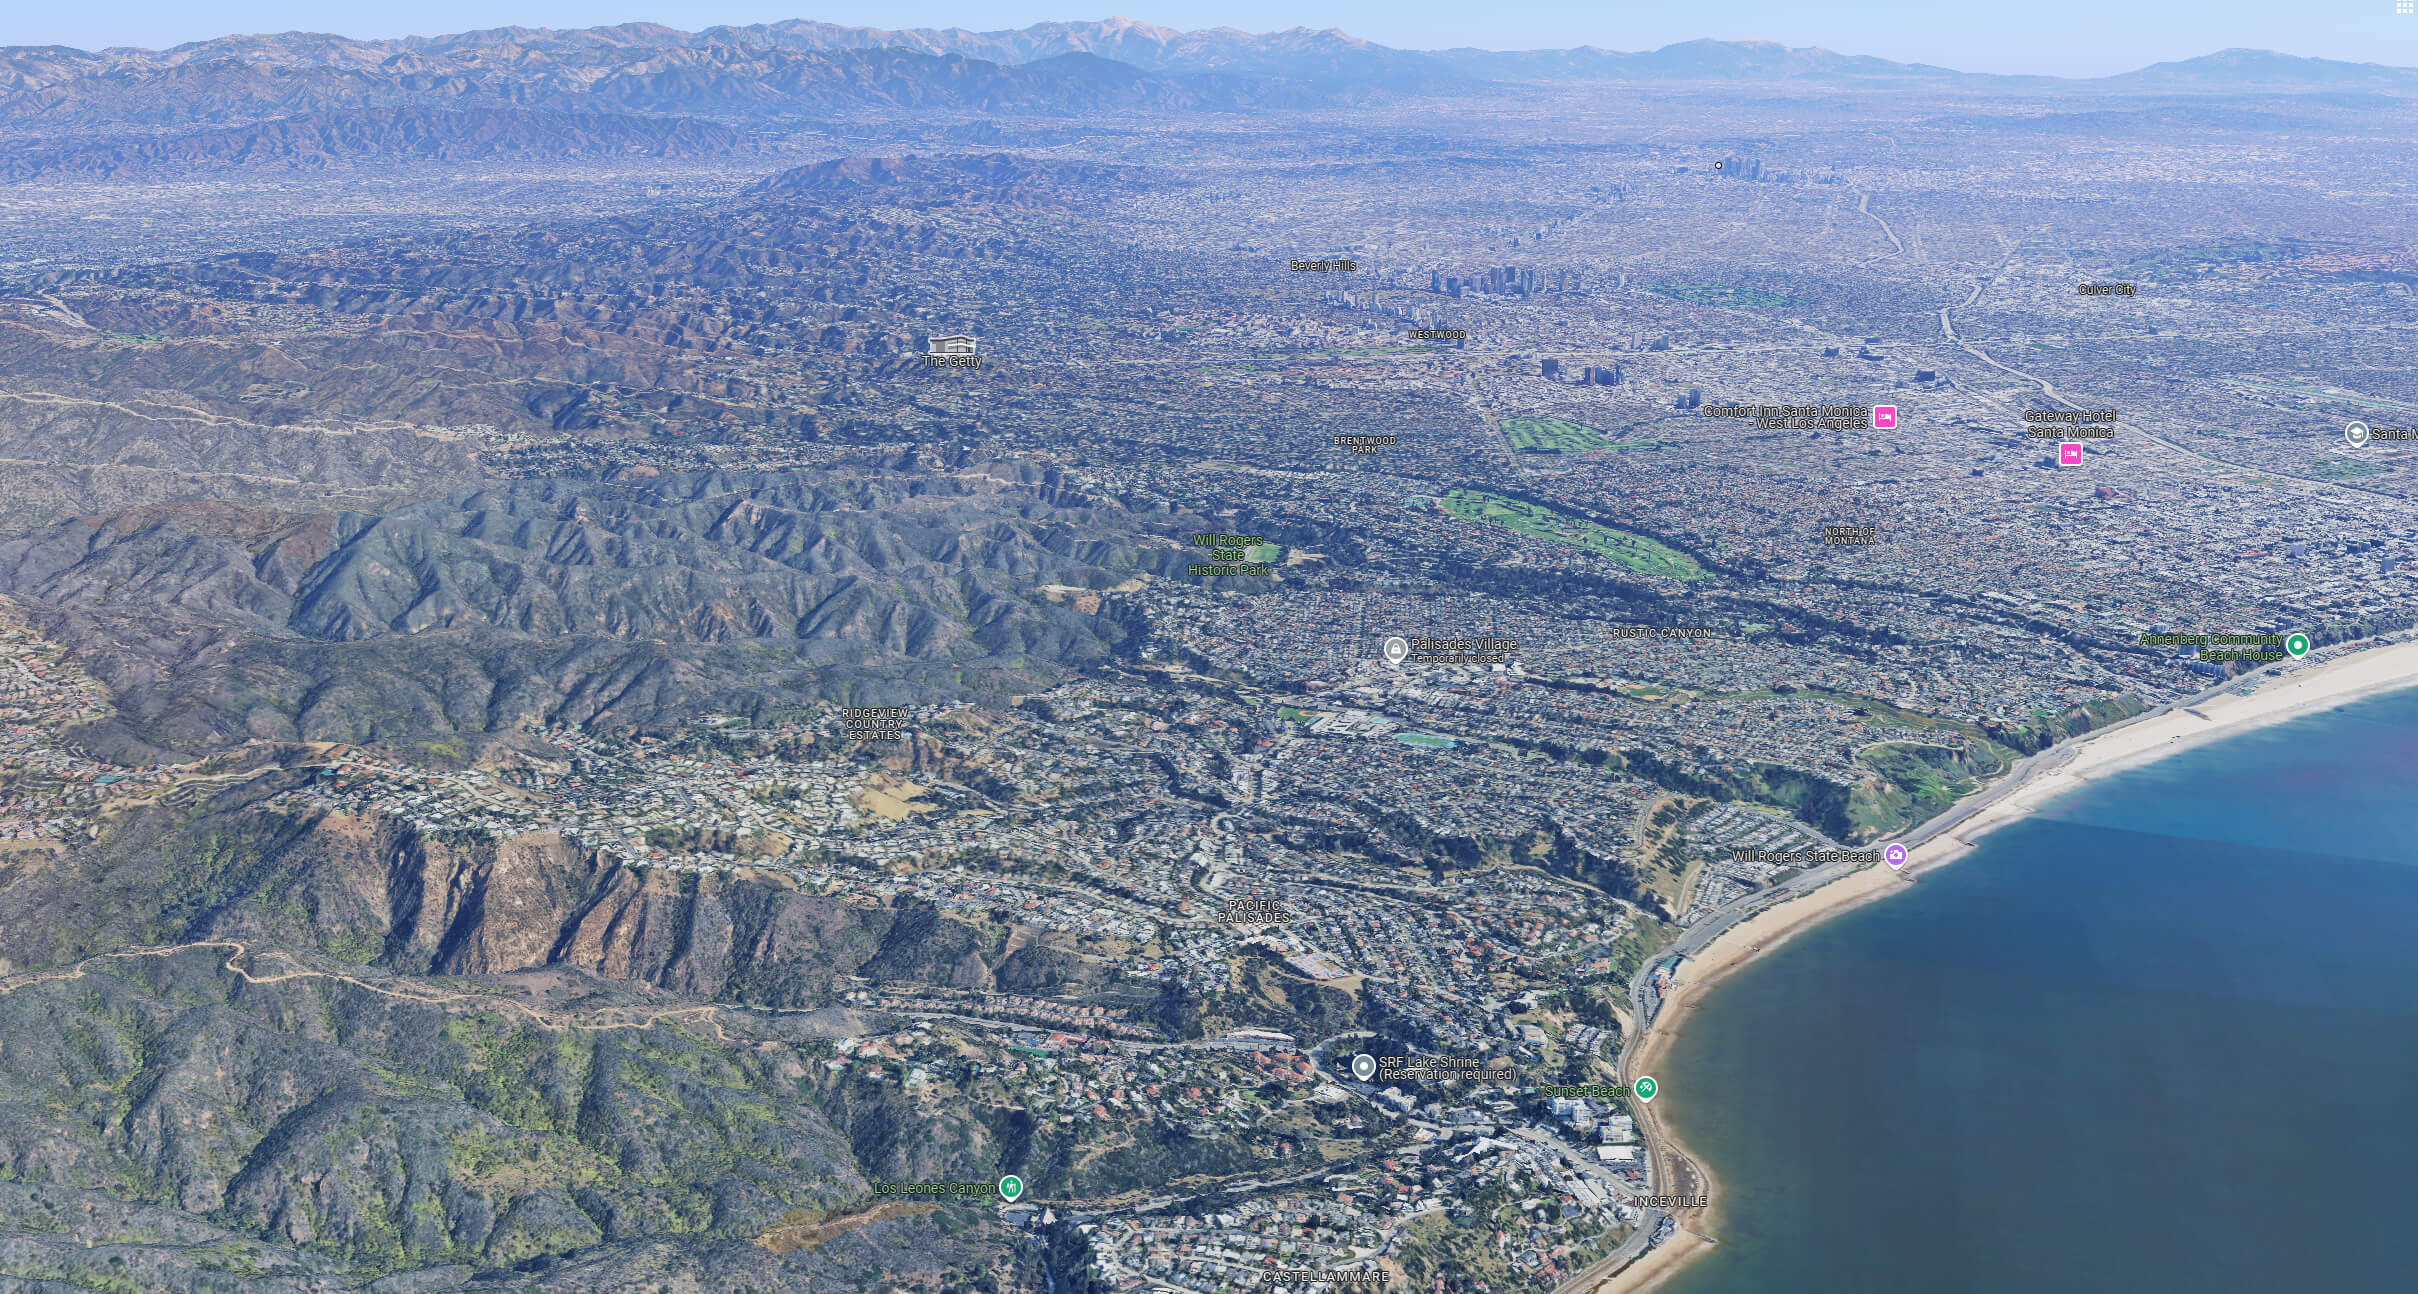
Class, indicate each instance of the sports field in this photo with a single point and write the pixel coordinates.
(1541, 435)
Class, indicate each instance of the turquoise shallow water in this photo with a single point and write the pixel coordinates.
(2163, 1036)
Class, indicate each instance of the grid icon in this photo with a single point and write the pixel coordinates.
(2405, 6)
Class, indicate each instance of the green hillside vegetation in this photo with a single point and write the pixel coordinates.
(1914, 783)
(1646, 936)
(1985, 740)
(1667, 858)
(1911, 782)
(1810, 798)
(2047, 730)
(1636, 552)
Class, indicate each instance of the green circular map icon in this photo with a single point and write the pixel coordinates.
(2297, 645)
(1010, 1187)
(1645, 1089)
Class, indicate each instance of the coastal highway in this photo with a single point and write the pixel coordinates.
(1712, 925)
(1644, 1003)
(2061, 754)
(1586, 1278)
(1676, 1175)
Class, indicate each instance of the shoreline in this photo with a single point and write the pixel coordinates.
(2146, 738)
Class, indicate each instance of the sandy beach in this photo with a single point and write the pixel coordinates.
(2308, 688)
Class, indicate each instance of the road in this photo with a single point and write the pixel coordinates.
(1677, 1174)
(600, 1019)
(1630, 1251)
(1863, 204)
(1948, 328)
(1711, 926)
(1714, 923)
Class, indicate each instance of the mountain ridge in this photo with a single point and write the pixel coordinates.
(565, 601)
(734, 83)
(318, 140)
(1297, 52)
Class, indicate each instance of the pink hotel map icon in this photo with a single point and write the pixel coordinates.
(1884, 417)
(2069, 454)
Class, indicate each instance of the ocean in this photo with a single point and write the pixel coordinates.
(2161, 1036)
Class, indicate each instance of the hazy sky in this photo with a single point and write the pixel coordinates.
(2068, 37)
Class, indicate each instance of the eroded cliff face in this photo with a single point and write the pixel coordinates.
(467, 911)
(389, 896)
(538, 900)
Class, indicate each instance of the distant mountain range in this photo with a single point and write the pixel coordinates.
(304, 101)
(2260, 70)
(800, 65)
(728, 81)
